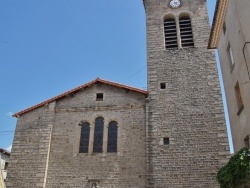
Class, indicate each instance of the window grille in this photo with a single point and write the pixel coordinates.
(84, 141)
(112, 137)
(98, 135)
(186, 32)
(170, 33)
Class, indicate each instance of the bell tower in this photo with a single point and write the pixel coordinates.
(186, 132)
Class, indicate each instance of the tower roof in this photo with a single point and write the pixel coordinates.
(97, 80)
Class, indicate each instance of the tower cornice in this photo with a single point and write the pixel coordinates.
(219, 17)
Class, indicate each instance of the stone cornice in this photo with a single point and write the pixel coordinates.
(219, 16)
(101, 108)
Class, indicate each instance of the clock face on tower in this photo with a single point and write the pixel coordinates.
(175, 3)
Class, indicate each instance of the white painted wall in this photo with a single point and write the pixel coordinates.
(4, 158)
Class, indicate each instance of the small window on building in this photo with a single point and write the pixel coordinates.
(187, 40)
(84, 140)
(230, 56)
(6, 165)
(246, 141)
(170, 33)
(166, 141)
(224, 28)
(99, 96)
(239, 98)
(163, 85)
(112, 137)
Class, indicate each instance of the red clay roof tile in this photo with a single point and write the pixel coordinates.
(77, 89)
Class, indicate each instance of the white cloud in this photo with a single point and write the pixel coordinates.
(9, 148)
(9, 114)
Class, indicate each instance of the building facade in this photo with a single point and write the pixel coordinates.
(105, 134)
(2, 184)
(231, 36)
(4, 161)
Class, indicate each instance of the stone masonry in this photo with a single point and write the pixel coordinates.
(55, 128)
(170, 137)
(189, 111)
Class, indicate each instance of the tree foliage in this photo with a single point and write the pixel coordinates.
(237, 171)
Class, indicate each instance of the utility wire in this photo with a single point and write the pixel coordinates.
(136, 72)
(6, 134)
(6, 131)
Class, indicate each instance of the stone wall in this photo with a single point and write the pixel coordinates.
(126, 168)
(189, 111)
(30, 151)
(64, 166)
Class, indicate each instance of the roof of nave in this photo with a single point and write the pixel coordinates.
(218, 21)
(98, 80)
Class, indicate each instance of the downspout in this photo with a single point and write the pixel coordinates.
(245, 57)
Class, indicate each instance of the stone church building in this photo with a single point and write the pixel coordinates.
(108, 135)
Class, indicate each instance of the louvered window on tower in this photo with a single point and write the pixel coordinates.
(186, 32)
(170, 33)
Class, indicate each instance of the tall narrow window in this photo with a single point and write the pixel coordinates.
(84, 141)
(230, 56)
(98, 135)
(224, 28)
(112, 137)
(186, 32)
(238, 98)
(170, 33)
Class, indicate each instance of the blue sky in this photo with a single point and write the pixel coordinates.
(48, 47)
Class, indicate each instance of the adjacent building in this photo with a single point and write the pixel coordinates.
(109, 135)
(4, 161)
(231, 36)
(2, 185)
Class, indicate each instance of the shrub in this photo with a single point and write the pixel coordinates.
(237, 171)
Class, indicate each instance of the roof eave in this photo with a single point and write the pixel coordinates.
(77, 89)
(218, 20)
(4, 152)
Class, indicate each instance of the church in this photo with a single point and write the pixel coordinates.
(104, 134)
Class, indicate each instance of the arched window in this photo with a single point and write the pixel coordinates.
(170, 33)
(186, 32)
(98, 135)
(112, 137)
(84, 141)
